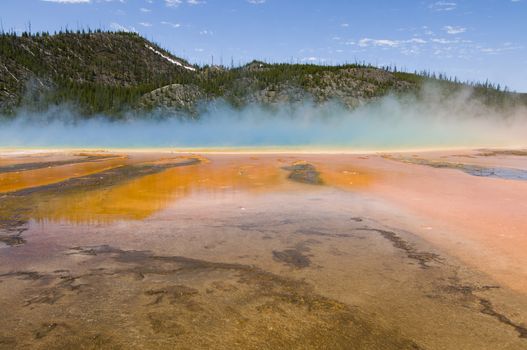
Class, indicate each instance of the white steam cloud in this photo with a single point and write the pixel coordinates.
(389, 123)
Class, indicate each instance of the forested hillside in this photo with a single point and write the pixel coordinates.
(111, 73)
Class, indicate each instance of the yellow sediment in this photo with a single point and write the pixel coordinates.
(178, 159)
(345, 176)
(140, 198)
(14, 181)
(338, 173)
(33, 158)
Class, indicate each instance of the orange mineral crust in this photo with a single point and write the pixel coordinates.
(164, 250)
(480, 219)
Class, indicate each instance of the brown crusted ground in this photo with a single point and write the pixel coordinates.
(180, 302)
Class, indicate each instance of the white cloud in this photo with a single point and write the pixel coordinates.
(443, 6)
(173, 25)
(256, 2)
(378, 42)
(345, 25)
(145, 24)
(313, 59)
(120, 28)
(496, 50)
(366, 42)
(176, 3)
(411, 46)
(145, 10)
(454, 30)
(69, 1)
(173, 3)
(206, 32)
(445, 41)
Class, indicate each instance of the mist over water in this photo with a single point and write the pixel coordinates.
(388, 123)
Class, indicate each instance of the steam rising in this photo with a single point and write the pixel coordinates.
(389, 123)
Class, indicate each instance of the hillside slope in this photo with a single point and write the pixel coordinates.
(100, 71)
(110, 73)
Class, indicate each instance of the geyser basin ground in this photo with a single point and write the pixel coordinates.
(263, 251)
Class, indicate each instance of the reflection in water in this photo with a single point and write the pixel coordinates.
(139, 198)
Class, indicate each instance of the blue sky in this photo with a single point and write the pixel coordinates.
(471, 39)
